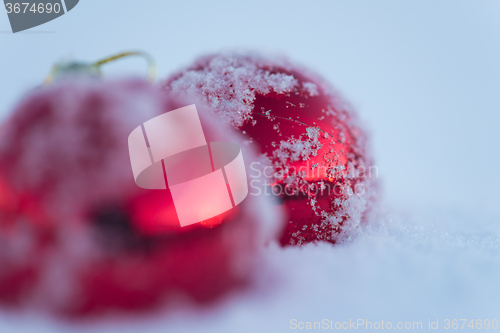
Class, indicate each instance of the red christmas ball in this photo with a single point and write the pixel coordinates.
(313, 152)
(78, 236)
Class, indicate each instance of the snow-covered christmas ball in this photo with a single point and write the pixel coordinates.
(78, 236)
(313, 152)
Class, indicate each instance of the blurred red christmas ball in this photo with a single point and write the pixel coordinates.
(78, 236)
(313, 152)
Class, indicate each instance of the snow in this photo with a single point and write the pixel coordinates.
(230, 82)
(295, 149)
(404, 268)
(311, 88)
(423, 76)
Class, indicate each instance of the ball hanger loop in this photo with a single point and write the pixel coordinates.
(151, 62)
(66, 69)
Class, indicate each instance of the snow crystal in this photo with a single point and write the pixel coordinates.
(297, 149)
(310, 88)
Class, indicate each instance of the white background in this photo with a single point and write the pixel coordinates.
(425, 78)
